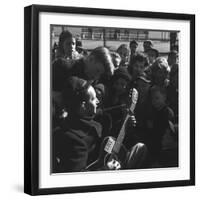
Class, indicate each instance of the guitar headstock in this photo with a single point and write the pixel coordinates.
(134, 98)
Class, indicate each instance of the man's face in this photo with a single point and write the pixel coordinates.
(91, 104)
(69, 46)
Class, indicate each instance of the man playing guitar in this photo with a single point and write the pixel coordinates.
(75, 142)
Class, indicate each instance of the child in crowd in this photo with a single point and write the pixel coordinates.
(152, 54)
(102, 117)
(116, 58)
(147, 44)
(137, 66)
(160, 72)
(124, 52)
(161, 138)
(133, 47)
(118, 94)
(117, 102)
(142, 84)
(67, 47)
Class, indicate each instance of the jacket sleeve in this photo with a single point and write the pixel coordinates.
(71, 153)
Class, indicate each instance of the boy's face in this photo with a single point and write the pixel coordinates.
(151, 56)
(120, 86)
(124, 53)
(158, 100)
(69, 46)
(146, 46)
(116, 62)
(133, 48)
(138, 68)
(91, 103)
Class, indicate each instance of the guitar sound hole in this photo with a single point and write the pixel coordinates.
(112, 162)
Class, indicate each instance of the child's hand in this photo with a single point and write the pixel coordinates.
(131, 122)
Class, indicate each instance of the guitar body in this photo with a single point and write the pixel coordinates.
(107, 154)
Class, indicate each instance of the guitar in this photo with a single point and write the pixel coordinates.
(112, 151)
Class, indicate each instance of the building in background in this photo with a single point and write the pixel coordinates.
(113, 37)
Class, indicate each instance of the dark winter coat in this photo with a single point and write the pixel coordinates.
(75, 144)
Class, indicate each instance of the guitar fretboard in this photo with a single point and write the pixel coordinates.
(121, 136)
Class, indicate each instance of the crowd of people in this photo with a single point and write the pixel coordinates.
(90, 100)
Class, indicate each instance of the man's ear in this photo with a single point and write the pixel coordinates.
(83, 105)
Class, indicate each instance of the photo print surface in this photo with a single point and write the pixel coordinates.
(114, 98)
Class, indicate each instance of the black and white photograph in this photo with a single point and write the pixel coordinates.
(109, 100)
(114, 98)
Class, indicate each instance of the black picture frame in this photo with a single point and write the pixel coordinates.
(32, 108)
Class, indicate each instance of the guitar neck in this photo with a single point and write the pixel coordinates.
(121, 135)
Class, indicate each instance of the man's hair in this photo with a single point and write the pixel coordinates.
(102, 55)
(74, 92)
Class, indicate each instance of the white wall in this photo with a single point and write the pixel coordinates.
(11, 101)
